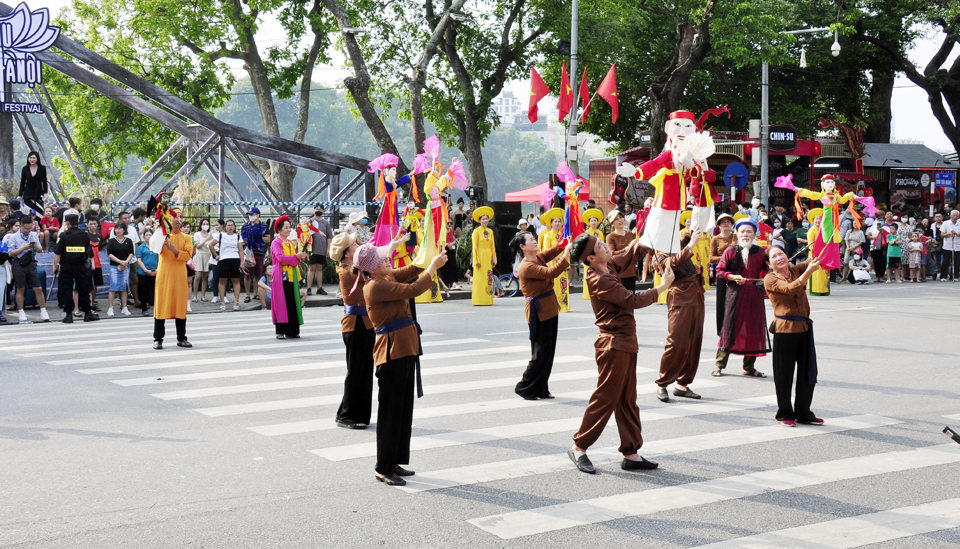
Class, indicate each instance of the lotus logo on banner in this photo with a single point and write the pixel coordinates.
(22, 34)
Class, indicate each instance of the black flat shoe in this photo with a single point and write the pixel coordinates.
(346, 424)
(391, 480)
(158, 345)
(583, 462)
(641, 464)
(184, 343)
(404, 472)
(663, 395)
(686, 393)
(67, 319)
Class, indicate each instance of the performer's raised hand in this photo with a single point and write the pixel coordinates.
(395, 243)
(813, 266)
(626, 169)
(667, 277)
(438, 261)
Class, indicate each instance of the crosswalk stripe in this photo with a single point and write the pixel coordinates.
(647, 502)
(316, 382)
(954, 417)
(514, 430)
(860, 530)
(306, 353)
(418, 412)
(134, 329)
(235, 339)
(516, 468)
(242, 372)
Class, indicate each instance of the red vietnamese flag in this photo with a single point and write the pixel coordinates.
(585, 95)
(608, 90)
(566, 93)
(538, 90)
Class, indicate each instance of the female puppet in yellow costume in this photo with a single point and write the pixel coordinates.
(548, 239)
(819, 282)
(592, 218)
(484, 257)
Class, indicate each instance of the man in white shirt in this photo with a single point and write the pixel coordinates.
(951, 247)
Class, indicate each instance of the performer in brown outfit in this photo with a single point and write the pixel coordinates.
(617, 241)
(395, 352)
(616, 351)
(685, 310)
(542, 310)
(792, 337)
(718, 244)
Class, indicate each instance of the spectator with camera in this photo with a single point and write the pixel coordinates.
(24, 246)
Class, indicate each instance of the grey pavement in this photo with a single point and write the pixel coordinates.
(107, 443)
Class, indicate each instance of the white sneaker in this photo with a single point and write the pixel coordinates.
(189, 309)
(110, 311)
(23, 318)
(44, 315)
(226, 299)
(125, 311)
(215, 299)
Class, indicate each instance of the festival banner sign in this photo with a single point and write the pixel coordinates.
(23, 33)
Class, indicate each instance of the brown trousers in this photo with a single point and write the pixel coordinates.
(681, 354)
(616, 394)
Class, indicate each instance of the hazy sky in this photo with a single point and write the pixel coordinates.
(912, 118)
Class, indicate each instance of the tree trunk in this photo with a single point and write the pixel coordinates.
(359, 84)
(470, 140)
(880, 115)
(667, 90)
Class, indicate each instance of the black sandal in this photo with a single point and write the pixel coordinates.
(754, 373)
(281, 336)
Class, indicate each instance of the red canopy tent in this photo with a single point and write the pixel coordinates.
(532, 194)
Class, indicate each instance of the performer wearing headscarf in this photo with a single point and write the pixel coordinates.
(592, 217)
(358, 336)
(549, 238)
(619, 240)
(484, 254)
(744, 321)
(793, 346)
(537, 273)
(172, 292)
(718, 244)
(616, 351)
(395, 352)
(285, 285)
(681, 354)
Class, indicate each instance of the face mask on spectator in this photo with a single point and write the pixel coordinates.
(806, 224)
(95, 207)
(205, 226)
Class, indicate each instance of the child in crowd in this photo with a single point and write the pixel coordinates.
(49, 228)
(894, 243)
(914, 251)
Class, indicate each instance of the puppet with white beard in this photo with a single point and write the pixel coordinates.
(683, 162)
(744, 329)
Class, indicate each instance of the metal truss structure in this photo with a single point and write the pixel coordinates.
(204, 143)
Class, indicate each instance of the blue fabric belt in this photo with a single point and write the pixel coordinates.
(396, 324)
(534, 316)
(812, 362)
(355, 310)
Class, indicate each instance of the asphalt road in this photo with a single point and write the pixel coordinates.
(107, 443)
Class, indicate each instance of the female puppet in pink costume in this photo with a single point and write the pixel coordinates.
(827, 244)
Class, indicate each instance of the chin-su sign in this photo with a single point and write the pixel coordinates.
(23, 33)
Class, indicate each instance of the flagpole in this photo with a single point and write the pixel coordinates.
(570, 148)
(590, 102)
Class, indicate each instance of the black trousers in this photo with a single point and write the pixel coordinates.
(145, 289)
(159, 329)
(789, 351)
(950, 264)
(879, 262)
(290, 328)
(358, 386)
(543, 347)
(35, 204)
(395, 379)
(449, 271)
(70, 274)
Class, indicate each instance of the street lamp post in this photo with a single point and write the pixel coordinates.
(765, 114)
(570, 148)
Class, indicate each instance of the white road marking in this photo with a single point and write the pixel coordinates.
(647, 502)
(516, 468)
(857, 531)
